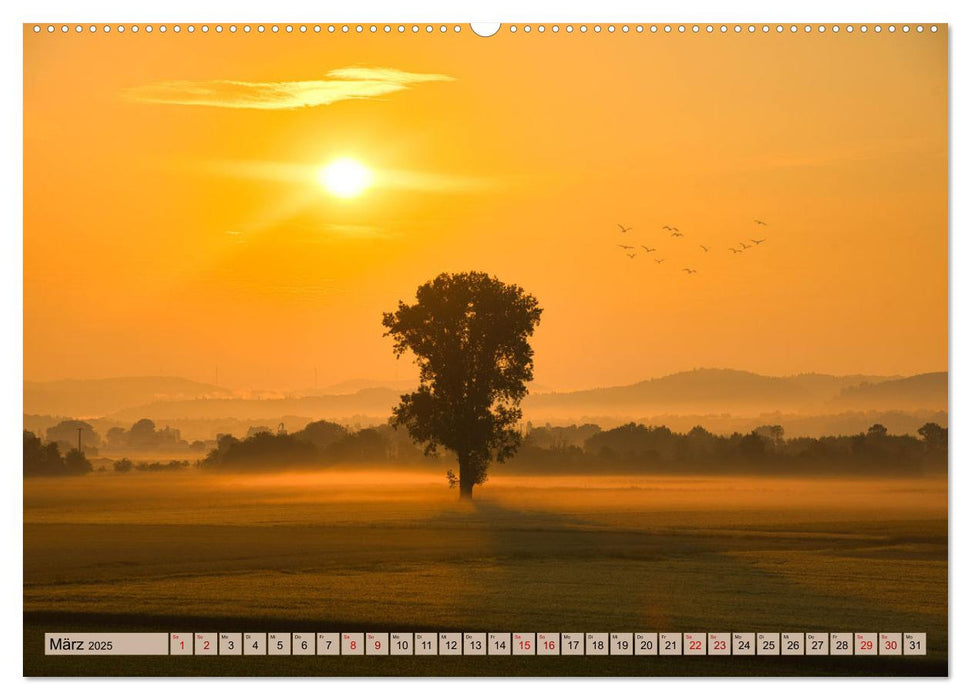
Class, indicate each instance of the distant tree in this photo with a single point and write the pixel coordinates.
(65, 434)
(752, 447)
(470, 334)
(261, 451)
(116, 438)
(41, 459)
(322, 433)
(76, 463)
(367, 445)
(772, 433)
(123, 465)
(876, 431)
(935, 437)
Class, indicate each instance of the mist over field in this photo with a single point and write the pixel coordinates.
(393, 550)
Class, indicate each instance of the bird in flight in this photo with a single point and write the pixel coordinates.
(625, 247)
(744, 245)
(760, 223)
(631, 255)
(703, 247)
(667, 228)
(625, 229)
(648, 250)
(757, 241)
(735, 251)
(677, 234)
(659, 260)
(689, 270)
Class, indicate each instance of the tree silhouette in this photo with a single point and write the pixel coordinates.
(470, 334)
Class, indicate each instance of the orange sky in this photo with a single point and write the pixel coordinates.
(166, 236)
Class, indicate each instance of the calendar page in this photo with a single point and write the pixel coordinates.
(590, 349)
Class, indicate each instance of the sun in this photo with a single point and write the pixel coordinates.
(344, 177)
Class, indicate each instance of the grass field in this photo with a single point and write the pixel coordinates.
(388, 551)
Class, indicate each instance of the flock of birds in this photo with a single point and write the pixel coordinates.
(675, 232)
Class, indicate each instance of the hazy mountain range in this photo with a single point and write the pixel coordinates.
(698, 391)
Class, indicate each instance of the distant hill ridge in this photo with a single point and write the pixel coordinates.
(700, 391)
(709, 389)
(98, 397)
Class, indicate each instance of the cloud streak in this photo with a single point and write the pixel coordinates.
(350, 83)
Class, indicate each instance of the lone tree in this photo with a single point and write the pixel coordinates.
(470, 334)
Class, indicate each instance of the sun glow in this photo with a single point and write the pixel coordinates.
(345, 177)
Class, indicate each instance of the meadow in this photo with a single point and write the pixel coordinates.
(382, 550)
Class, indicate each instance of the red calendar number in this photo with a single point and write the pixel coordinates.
(866, 646)
(696, 644)
(550, 645)
(720, 646)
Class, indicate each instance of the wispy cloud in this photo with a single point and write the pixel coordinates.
(350, 83)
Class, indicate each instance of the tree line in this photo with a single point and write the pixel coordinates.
(587, 448)
(639, 448)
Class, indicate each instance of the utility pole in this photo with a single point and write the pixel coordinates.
(79, 439)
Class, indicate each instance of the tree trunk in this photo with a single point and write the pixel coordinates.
(465, 477)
